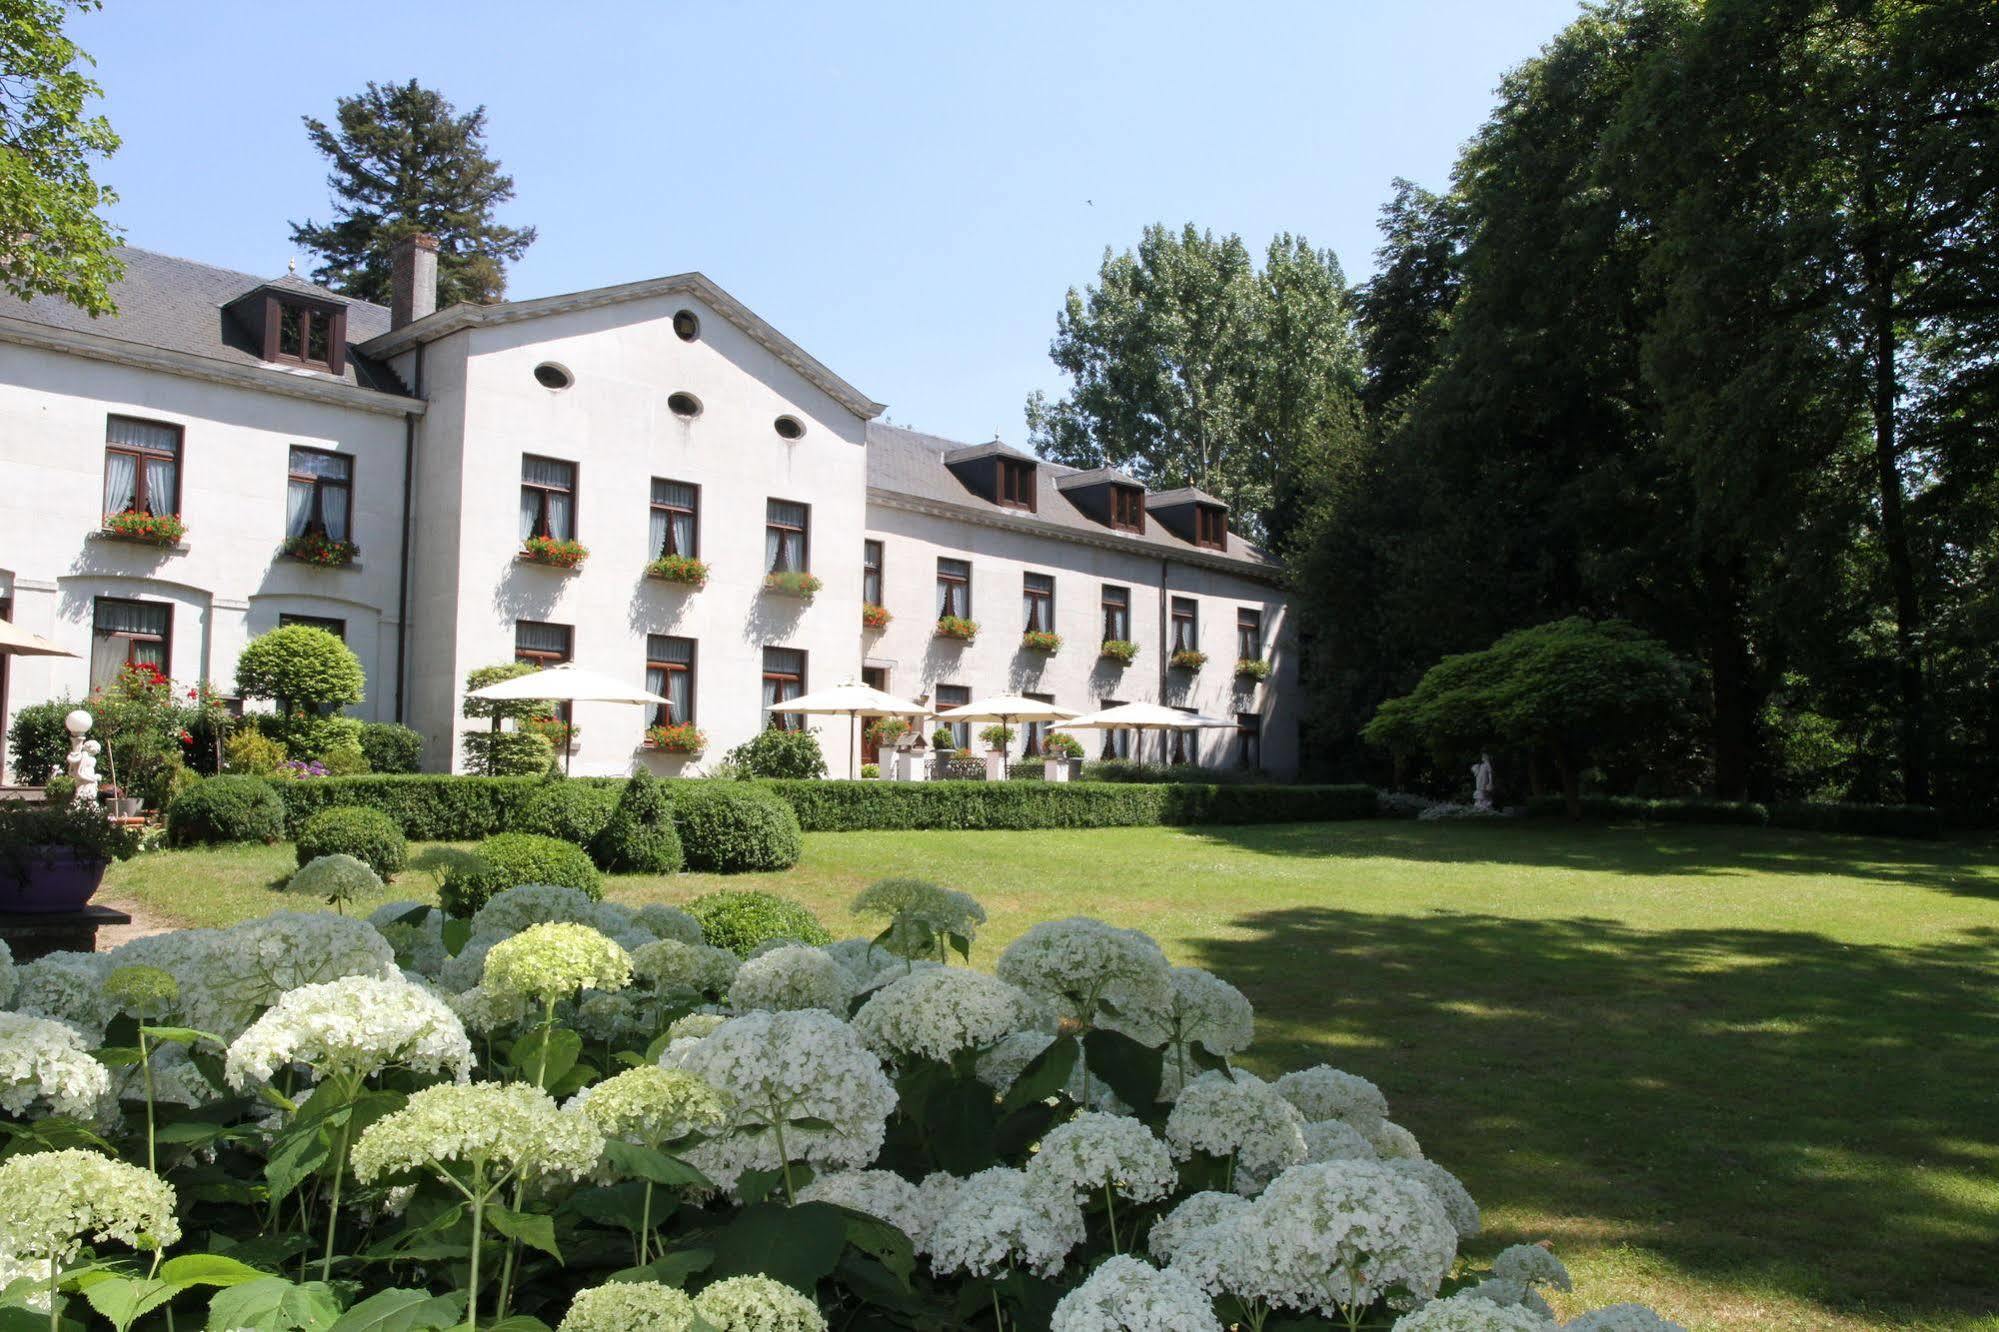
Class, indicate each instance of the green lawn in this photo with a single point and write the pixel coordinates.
(1749, 1077)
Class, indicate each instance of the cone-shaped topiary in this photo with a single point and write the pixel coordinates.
(640, 838)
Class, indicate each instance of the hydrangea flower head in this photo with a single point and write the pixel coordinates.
(921, 915)
(1126, 1295)
(512, 910)
(669, 922)
(486, 1011)
(68, 987)
(46, 1060)
(142, 990)
(1457, 1200)
(757, 1304)
(251, 965)
(649, 1105)
(938, 1012)
(351, 1028)
(671, 965)
(879, 1193)
(1000, 1217)
(1340, 1235)
(1240, 1118)
(1197, 1212)
(1095, 1151)
(553, 961)
(1532, 1265)
(502, 1129)
(1470, 1312)
(791, 977)
(6, 974)
(1075, 966)
(1325, 1092)
(1391, 1141)
(50, 1202)
(1336, 1140)
(335, 879)
(415, 930)
(629, 1306)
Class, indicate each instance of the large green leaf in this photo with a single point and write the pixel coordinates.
(620, 1205)
(659, 1167)
(273, 1304)
(1045, 1075)
(671, 1270)
(533, 1229)
(403, 1311)
(564, 1048)
(298, 1152)
(795, 1245)
(208, 1269)
(962, 1118)
(1130, 1069)
(124, 1300)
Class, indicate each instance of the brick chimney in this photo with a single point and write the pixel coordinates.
(412, 279)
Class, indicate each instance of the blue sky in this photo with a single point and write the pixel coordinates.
(905, 189)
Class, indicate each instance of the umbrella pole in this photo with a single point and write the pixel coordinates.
(853, 725)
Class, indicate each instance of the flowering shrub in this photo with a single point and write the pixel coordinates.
(156, 529)
(318, 548)
(571, 1107)
(554, 552)
(958, 627)
(1252, 668)
(1186, 659)
(792, 583)
(678, 738)
(679, 569)
(873, 616)
(1120, 650)
(1042, 641)
(886, 731)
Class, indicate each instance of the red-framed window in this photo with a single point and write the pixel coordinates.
(1186, 625)
(129, 633)
(1035, 733)
(1128, 508)
(676, 519)
(956, 696)
(1117, 614)
(1037, 595)
(1117, 744)
(548, 498)
(784, 679)
(954, 588)
(1248, 741)
(1211, 526)
(1016, 484)
(787, 532)
(871, 573)
(141, 466)
(1249, 633)
(319, 494)
(670, 674)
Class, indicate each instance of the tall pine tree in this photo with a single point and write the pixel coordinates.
(404, 161)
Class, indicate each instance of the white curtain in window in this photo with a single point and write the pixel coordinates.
(121, 473)
(774, 550)
(333, 511)
(107, 658)
(676, 694)
(298, 508)
(530, 511)
(160, 486)
(947, 600)
(660, 525)
(561, 516)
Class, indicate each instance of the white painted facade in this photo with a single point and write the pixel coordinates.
(473, 408)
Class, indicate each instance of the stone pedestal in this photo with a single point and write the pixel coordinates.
(30, 935)
(909, 767)
(995, 767)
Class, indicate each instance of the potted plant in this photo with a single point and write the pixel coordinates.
(943, 743)
(1060, 752)
(553, 552)
(792, 583)
(1187, 659)
(887, 732)
(154, 529)
(1042, 641)
(683, 569)
(52, 857)
(870, 771)
(957, 627)
(997, 737)
(550, 726)
(1120, 650)
(1252, 668)
(320, 549)
(874, 617)
(677, 738)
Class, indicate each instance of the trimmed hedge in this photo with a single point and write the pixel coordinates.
(509, 860)
(229, 808)
(738, 827)
(573, 811)
(844, 806)
(641, 837)
(368, 835)
(740, 921)
(428, 807)
(1852, 817)
(1920, 821)
(391, 747)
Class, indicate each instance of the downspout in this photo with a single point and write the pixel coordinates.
(1165, 624)
(403, 568)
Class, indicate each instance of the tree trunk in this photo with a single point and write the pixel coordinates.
(1894, 530)
(1737, 699)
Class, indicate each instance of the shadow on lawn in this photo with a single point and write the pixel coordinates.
(1966, 867)
(1762, 1110)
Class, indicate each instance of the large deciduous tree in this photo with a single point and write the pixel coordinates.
(1192, 367)
(53, 239)
(404, 161)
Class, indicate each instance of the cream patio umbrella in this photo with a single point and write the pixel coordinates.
(1141, 717)
(1006, 709)
(855, 701)
(18, 642)
(565, 684)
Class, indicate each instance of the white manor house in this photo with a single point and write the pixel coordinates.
(653, 418)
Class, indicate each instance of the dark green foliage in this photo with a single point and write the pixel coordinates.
(737, 827)
(1918, 821)
(26, 829)
(1846, 816)
(404, 161)
(390, 747)
(509, 860)
(306, 735)
(366, 834)
(432, 807)
(1126, 770)
(776, 753)
(301, 667)
(37, 744)
(508, 753)
(839, 806)
(572, 811)
(739, 921)
(228, 808)
(641, 837)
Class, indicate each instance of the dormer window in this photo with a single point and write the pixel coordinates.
(1016, 484)
(1211, 527)
(306, 333)
(1128, 508)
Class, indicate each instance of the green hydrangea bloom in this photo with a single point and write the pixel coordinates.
(629, 1306)
(552, 961)
(51, 1201)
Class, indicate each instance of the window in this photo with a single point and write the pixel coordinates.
(871, 573)
(1211, 526)
(545, 645)
(1249, 633)
(954, 589)
(1248, 741)
(676, 519)
(670, 674)
(552, 376)
(1117, 744)
(338, 628)
(686, 325)
(1037, 592)
(1186, 749)
(784, 679)
(303, 333)
(1128, 508)
(1186, 625)
(1036, 732)
(141, 467)
(786, 526)
(128, 633)
(1117, 614)
(789, 427)
(683, 405)
(956, 696)
(319, 498)
(1016, 484)
(548, 498)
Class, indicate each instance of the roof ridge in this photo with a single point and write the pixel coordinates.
(257, 279)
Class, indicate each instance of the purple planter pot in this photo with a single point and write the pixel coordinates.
(57, 879)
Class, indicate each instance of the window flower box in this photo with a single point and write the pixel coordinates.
(556, 554)
(1252, 668)
(153, 529)
(1186, 659)
(321, 550)
(792, 584)
(873, 616)
(679, 738)
(1042, 641)
(1120, 650)
(682, 569)
(957, 627)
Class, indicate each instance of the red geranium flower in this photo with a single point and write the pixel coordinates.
(186, 738)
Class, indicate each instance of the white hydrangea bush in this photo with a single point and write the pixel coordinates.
(1069, 1128)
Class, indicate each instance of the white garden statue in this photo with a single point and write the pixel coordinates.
(82, 760)
(1481, 782)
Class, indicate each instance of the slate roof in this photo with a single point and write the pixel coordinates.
(910, 462)
(176, 305)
